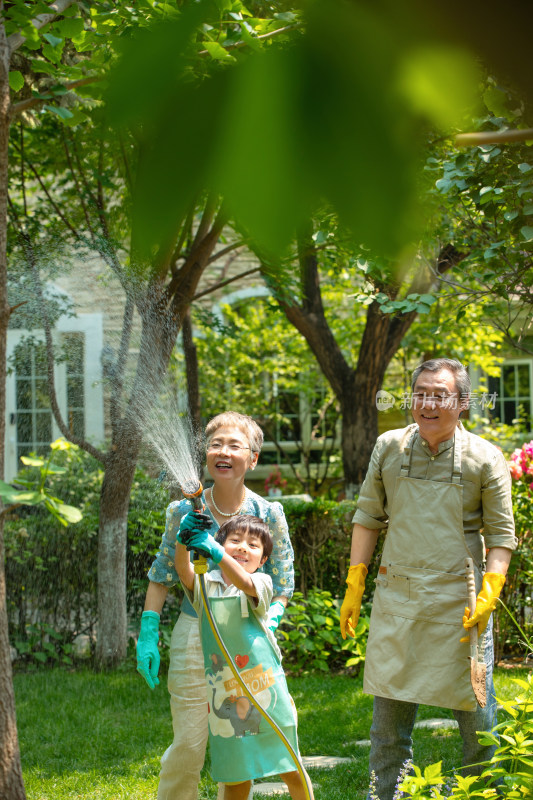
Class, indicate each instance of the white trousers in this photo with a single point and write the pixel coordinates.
(182, 762)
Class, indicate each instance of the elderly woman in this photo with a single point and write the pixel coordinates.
(234, 442)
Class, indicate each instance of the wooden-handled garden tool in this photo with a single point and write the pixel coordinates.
(478, 670)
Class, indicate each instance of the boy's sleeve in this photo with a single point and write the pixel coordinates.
(263, 587)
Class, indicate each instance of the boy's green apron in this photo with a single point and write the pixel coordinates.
(414, 651)
(242, 743)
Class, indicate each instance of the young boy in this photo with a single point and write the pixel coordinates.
(243, 744)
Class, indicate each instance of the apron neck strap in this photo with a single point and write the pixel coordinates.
(456, 475)
(407, 454)
(244, 605)
(457, 453)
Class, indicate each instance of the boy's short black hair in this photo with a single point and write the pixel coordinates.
(247, 523)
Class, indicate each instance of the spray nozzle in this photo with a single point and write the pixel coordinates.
(195, 495)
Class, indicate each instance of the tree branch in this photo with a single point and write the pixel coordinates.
(59, 6)
(493, 137)
(277, 32)
(119, 366)
(52, 202)
(225, 250)
(220, 284)
(77, 185)
(32, 102)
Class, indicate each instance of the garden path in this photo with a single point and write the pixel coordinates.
(328, 762)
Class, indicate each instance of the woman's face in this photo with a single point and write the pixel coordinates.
(229, 456)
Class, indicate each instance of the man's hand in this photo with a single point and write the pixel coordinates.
(485, 602)
(147, 648)
(351, 606)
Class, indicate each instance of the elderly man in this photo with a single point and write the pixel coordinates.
(433, 488)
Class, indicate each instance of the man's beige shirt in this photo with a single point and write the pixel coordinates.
(486, 481)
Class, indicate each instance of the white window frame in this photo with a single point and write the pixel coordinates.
(512, 362)
(91, 326)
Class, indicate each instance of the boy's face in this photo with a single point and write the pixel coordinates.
(246, 548)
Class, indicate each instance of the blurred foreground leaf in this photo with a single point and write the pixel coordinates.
(339, 113)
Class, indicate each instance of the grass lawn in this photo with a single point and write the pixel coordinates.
(101, 736)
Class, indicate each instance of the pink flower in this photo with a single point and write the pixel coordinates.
(516, 471)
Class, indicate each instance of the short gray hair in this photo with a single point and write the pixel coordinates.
(243, 422)
(459, 371)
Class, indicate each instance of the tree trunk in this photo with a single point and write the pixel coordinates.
(11, 783)
(191, 367)
(112, 544)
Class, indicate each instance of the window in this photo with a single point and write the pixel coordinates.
(513, 390)
(74, 345)
(33, 416)
(30, 424)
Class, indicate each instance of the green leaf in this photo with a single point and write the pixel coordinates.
(69, 28)
(53, 40)
(52, 53)
(70, 513)
(11, 495)
(31, 461)
(38, 65)
(62, 113)
(527, 233)
(217, 52)
(16, 80)
(524, 167)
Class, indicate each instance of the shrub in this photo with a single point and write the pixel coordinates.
(516, 593)
(508, 775)
(321, 533)
(51, 571)
(310, 636)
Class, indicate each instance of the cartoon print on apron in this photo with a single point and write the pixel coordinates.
(242, 743)
(414, 652)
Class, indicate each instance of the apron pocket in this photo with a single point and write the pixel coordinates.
(395, 586)
(422, 594)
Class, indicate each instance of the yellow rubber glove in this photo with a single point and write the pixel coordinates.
(485, 602)
(351, 605)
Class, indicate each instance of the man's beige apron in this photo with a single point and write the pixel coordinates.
(414, 651)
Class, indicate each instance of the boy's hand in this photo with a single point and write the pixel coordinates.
(207, 545)
(191, 524)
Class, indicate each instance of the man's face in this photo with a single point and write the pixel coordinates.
(436, 405)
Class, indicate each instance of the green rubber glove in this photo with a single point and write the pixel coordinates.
(148, 658)
(207, 545)
(191, 524)
(275, 613)
(485, 602)
(351, 605)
